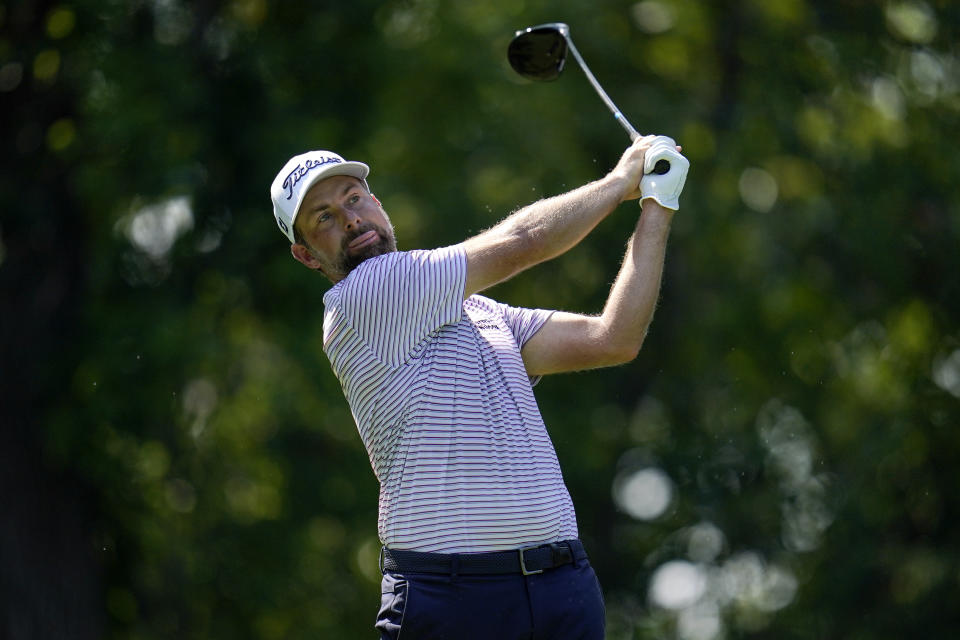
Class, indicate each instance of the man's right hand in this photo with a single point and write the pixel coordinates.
(629, 170)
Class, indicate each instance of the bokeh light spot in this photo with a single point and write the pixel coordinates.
(653, 16)
(912, 21)
(153, 460)
(758, 189)
(154, 228)
(705, 542)
(46, 65)
(887, 98)
(928, 74)
(746, 580)
(60, 22)
(10, 76)
(677, 584)
(643, 494)
(817, 127)
(946, 373)
(699, 622)
(61, 134)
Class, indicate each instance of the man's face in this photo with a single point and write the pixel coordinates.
(342, 225)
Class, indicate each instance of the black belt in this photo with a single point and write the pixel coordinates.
(527, 561)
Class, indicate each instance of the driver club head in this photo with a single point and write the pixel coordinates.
(539, 52)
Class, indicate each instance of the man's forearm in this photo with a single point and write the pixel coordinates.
(554, 225)
(633, 297)
(538, 232)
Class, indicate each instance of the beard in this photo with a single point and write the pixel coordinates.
(386, 243)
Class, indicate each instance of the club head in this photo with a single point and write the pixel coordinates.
(539, 52)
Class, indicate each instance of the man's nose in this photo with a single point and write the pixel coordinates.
(351, 221)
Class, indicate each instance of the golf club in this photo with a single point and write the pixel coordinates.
(539, 53)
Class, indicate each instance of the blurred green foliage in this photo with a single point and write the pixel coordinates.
(798, 393)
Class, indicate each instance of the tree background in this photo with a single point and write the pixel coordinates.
(177, 460)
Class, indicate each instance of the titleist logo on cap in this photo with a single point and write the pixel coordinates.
(297, 174)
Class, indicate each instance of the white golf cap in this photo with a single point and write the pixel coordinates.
(299, 174)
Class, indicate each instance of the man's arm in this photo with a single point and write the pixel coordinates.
(572, 342)
(550, 227)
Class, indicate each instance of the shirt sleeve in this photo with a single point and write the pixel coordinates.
(393, 302)
(524, 323)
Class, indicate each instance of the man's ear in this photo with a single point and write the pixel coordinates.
(302, 255)
(376, 200)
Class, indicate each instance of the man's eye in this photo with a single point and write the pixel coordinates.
(323, 217)
(354, 199)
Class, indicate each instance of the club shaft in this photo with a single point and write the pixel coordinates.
(603, 94)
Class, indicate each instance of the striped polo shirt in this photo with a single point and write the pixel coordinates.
(444, 406)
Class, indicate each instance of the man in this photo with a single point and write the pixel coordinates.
(478, 530)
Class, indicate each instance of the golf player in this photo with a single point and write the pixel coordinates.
(478, 529)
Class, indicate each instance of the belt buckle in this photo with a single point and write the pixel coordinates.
(523, 563)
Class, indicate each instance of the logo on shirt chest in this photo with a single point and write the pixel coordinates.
(488, 325)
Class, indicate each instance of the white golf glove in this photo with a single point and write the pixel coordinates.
(664, 188)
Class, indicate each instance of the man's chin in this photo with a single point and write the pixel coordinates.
(352, 261)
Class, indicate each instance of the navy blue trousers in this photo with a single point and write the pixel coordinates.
(559, 604)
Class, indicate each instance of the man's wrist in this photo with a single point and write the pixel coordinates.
(655, 219)
(621, 184)
(651, 207)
